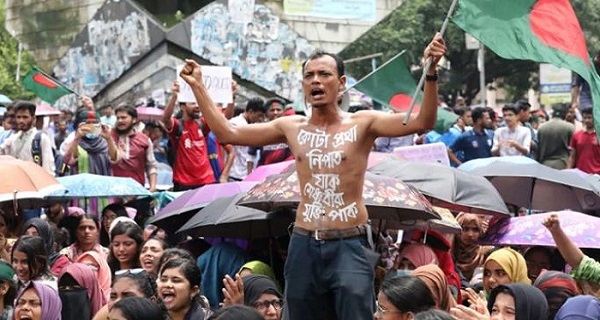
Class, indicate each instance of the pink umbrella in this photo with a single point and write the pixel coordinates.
(149, 113)
(45, 110)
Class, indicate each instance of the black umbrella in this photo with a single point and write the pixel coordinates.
(445, 186)
(223, 218)
(536, 186)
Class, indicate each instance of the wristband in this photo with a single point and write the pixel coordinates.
(431, 78)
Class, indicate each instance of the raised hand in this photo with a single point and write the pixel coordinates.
(551, 222)
(191, 73)
(435, 50)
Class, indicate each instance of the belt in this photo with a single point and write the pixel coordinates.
(332, 234)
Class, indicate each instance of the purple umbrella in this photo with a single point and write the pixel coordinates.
(179, 211)
(583, 229)
(149, 113)
(262, 172)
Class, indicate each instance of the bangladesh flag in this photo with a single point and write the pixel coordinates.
(44, 86)
(539, 30)
(392, 85)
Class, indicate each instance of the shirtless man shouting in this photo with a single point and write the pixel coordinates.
(327, 272)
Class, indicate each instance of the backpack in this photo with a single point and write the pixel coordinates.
(172, 144)
(36, 148)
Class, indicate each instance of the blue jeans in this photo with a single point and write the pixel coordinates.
(330, 279)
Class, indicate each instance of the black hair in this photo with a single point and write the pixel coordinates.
(60, 236)
(541, 249)
(133, 231)
(478, 113)
(587, 112)
(256, 105)
(88, 217)
(129, 109)
(433, 314)
(270, 102)
(136, 308)
(117, 208)
(142, 280)
(171, 254)
(522, 105)
(460, 111)
(559, 110)
(319, 54)
(24, 106)
(236, 312)
(491, 112)
(408, 293)
(188, 267)
(510, 107)
(37, 255)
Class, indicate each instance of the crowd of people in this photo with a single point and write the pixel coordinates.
(106, 262)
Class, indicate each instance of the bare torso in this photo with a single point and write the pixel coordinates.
(331, 163)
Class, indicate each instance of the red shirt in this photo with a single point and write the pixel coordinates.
(192, 167)
(587, 151)
(132, 162)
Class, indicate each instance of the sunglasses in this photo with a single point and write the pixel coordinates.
(129, 271)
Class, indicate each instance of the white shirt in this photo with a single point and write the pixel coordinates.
(18, 145)
(521, 135)
(239, 169)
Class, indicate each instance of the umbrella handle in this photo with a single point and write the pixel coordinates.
(15, 203)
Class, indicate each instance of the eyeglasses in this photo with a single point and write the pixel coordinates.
(266, 304)
(129, 271)
(382, 312)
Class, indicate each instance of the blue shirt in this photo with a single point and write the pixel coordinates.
(474, 145)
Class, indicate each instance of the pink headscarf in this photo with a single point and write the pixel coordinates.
(104, 274)
(84, 275)
(418, 254)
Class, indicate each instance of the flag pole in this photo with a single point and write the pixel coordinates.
(428, 64)
(374, 71)
(58, 82)
(20, 52)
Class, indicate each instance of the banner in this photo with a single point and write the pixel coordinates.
(362, 10)
(217, 81)
(555, 85)
(428, 153)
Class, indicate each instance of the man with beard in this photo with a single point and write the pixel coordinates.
(136, 151)
(21, 144)
(191, 166)
(328, 273)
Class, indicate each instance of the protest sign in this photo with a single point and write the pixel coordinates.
(217, 81)
(430, 153)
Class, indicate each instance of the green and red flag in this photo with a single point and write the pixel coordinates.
(540, 30)
(393, 85)
(44, 86)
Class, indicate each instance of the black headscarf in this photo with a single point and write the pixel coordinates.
(255, 285)
(43, 229)
(530, 302)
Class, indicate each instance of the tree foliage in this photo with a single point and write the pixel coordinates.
(9, 49)
(412, 25)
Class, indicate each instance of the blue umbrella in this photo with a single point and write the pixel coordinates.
(4, 99)
(87, 185)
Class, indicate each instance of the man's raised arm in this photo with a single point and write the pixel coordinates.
(255, 134)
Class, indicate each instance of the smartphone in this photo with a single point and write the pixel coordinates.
(95, 128)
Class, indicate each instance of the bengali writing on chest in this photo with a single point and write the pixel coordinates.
(323, 189)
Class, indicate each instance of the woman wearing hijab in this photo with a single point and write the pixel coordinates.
(37, 301)
(261, 293)
(517, 301)
(467, 253)
(436, 281)
(78, 287)
(580, 308)
(101, 269)
(415, 255)
(557, 287)
(504, 266)
(89, 151)
(38, 227)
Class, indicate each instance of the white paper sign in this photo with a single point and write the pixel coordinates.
(430, 153)
(217, 81)
(159, 97)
